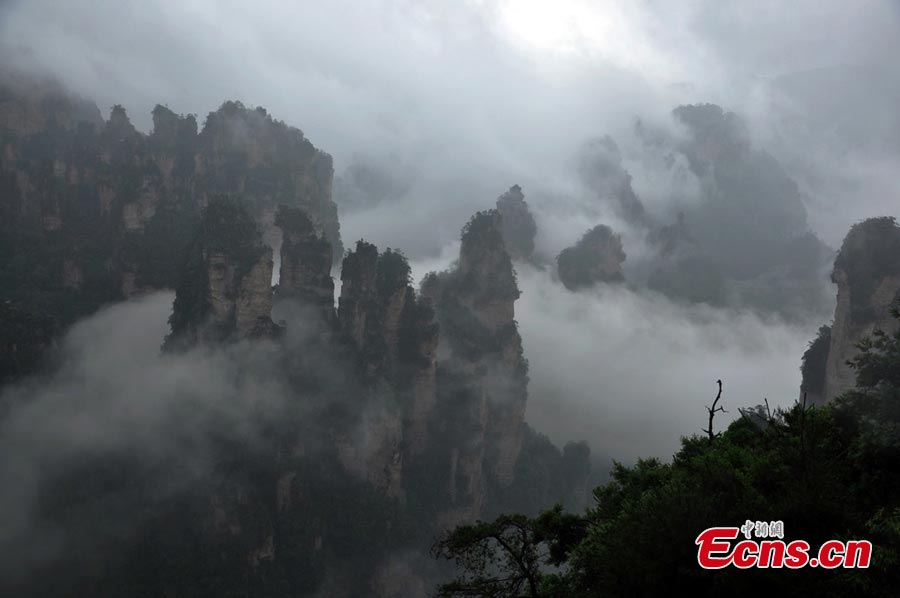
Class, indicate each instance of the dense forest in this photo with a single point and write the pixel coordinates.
(827, 471)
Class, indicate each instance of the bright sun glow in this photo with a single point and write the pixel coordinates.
(562, 25)
(619, 33)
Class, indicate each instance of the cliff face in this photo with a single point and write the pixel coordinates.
(596, 257)
(395, 340)
(225, 290)
(867, 274)
(28, 107)
(482, 380)
(305, 272)
(245, 151)
(92, 211)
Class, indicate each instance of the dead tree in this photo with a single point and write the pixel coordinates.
(712, 413)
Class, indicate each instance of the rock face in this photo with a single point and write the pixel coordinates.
(482, 381)
(867, 274)
(395, 341)
(112, 211)
(596, 257)
(245, 151)
(517, 224)
(305, 272)
(225, 291)
(29, 107)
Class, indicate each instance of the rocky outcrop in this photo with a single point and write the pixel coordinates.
(484, 281)
(517, 224)
(29, 106)
(596, 257)
(246, 151)
(418, 346)
(305, 272)
(225, 291)
(112, 211)
(358, 306)
(374, 451)
(394, 338)
(482, 380)
(867, 274)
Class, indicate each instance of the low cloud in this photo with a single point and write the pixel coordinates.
(631, 372)
(116, 396)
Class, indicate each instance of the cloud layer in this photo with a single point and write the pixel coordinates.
(460, 100)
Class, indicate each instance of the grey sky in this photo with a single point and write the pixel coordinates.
(466, 98)
(474, 96)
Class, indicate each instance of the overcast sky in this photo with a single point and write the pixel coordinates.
(469, 97)
(461, 99)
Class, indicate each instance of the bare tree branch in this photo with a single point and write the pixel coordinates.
(712, 413)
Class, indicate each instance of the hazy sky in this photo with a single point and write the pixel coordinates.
(469, 97)
(461, 99)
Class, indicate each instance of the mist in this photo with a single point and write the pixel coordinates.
(115, 397)
(457, 101)
(633, 371)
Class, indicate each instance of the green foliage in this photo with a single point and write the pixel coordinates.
(294, 220)
(812, 366)
(418, 329)
(357, 263)
(259, 157)
(192, 294)
(868, 254)
(479, 226)
(829, 471)
(510, 556)
(392, 273)
(487, 273)
(228, 228)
